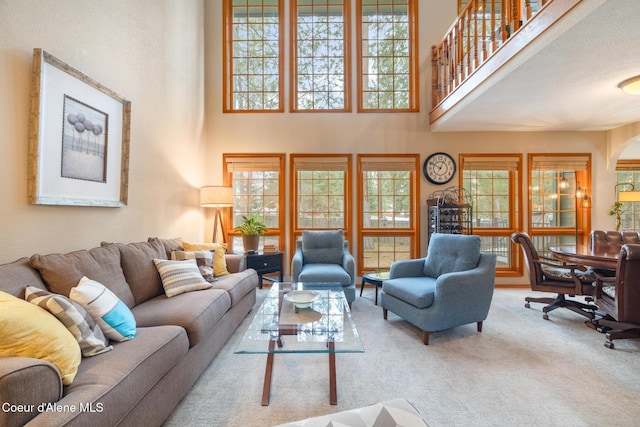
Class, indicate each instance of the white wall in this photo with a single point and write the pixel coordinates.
(149, 51)
(384, 133)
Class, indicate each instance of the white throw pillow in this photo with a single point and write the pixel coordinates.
(110, 313)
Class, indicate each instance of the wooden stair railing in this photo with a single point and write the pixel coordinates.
(481, 28)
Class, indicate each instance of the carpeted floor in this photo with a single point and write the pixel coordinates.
(520, 371)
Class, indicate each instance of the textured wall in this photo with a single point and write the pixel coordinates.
(149, 51)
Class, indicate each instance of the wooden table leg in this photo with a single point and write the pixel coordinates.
(266, 389)
(333, 393)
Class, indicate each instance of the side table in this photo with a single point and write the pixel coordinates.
(265, 263)
(373, 279)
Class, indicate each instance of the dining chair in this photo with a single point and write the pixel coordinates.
(619, 298)
(550, 275)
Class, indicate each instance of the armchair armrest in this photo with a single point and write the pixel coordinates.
(296, 262)
(407, 268)
(349, 264)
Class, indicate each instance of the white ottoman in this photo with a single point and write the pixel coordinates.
(391, 413)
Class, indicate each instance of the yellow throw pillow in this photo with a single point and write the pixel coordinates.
(30, 331)
(219, 262)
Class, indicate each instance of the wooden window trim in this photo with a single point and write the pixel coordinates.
(414, 72)
(413, 231)
(295, 232)
(227, 63)
(227, 214)
(515, 208)
(293, 55)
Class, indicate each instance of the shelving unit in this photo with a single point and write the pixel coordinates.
(450, 212)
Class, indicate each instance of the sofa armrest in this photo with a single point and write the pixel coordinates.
(235, 263)
(28, 382)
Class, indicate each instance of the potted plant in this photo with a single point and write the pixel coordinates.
(617, 211)
(251, 228)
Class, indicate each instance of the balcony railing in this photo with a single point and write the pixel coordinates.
(482, 27)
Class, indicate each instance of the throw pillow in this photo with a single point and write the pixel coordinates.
(180, 276)
(204, 259)
(110, 313)
(27, 330)
(81, 325)
(219, 261)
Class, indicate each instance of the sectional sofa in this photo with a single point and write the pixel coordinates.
(141, 380)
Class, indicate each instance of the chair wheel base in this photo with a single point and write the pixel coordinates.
(527, 305)
(545, 316)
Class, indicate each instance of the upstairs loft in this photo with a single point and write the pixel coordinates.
(545, 65)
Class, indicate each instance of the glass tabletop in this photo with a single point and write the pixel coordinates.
(302, 318)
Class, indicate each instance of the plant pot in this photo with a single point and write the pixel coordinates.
(250, 242)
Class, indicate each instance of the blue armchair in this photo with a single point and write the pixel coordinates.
(452, 286)
(323, 256)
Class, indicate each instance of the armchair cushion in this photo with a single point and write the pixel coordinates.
(323, 273)
(417, 292)
(564, 274)
(322, 247)
(451, 253)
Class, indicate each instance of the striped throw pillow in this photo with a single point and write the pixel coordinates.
(204, 259)
(180, 276)
(75, 318)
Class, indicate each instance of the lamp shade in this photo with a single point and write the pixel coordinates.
(629, 196)
(216, 196)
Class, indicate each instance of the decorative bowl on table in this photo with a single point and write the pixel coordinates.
(302, 299)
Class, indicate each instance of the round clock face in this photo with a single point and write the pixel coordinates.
(439, 168)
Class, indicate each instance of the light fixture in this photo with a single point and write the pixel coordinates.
(627, 196)
(631, 85)
(564, 182)
(217, 197)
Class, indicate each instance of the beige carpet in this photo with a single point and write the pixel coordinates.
(520, 371)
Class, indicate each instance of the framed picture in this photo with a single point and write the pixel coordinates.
(79, 138)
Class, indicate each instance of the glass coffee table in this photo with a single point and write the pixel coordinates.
(302, 318)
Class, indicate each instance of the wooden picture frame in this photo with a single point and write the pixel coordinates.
(79, 138)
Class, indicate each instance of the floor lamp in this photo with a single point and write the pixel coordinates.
(217, 196)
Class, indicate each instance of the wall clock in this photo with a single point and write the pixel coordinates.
(439, 168)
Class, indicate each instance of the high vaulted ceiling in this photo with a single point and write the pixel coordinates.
(565, 79)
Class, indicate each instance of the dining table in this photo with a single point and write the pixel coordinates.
(599, 257)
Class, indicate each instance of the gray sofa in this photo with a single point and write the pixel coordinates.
(140, 381)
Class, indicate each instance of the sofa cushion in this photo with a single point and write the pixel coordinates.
(324, 273)
(197, 312)
(29, 331)
(219, 261)
(170, 245)
(204, 260)
(417, 291)
(139, 269)
(75, 318)
(180, 276)
(450, 253)
(17, 275)
(325, 246)
(61, 272)
(237, 285)
(119, 379)
(113, 316)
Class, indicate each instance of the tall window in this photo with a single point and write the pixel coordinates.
(320, 186)
(493, 183)
(559, 204)
(258, 187)
(253, 70)
(320, 51)
(388, 212)
(388, 46)
(628, 179)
